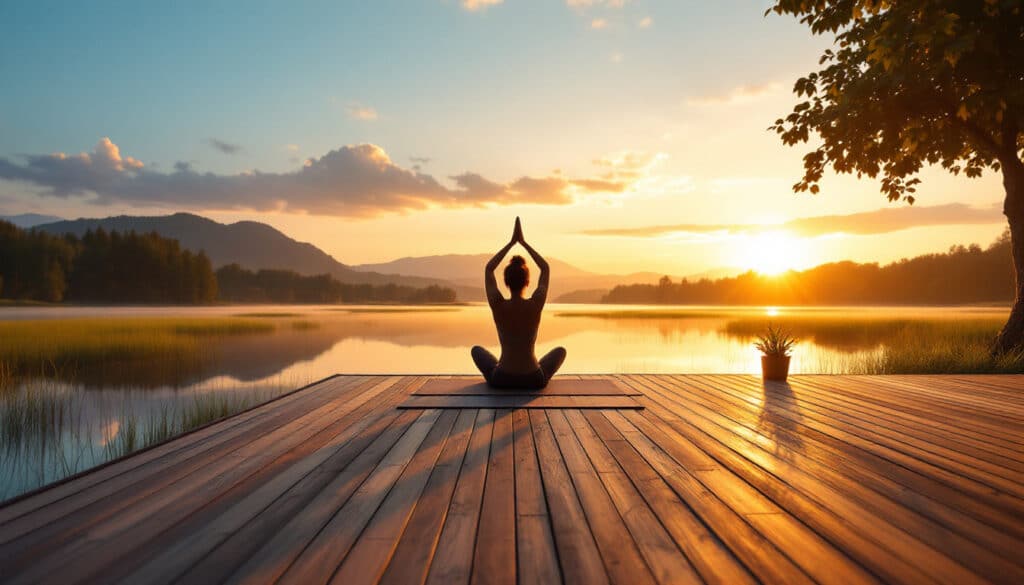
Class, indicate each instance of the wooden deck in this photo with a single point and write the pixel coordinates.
(831, 479)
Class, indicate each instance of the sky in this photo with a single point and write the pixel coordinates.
(628, 135)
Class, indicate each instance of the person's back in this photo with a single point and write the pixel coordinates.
(517, 320)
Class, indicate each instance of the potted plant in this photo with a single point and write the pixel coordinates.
(775, 344)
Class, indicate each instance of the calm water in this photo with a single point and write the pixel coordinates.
(411, 340)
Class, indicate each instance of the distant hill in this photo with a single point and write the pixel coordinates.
(250, 244)
(467, 270)
(27, 220)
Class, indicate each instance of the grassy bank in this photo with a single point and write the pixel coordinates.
(65, 348)
(896, 346)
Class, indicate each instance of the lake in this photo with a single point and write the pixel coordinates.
(106, 408)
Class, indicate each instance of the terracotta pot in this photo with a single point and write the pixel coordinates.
(775, 367)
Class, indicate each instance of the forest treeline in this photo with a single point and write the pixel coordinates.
(129, 267)
(964, 274)
(101, 266)
(239, 285)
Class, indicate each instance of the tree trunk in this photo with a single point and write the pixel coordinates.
(1012, 336)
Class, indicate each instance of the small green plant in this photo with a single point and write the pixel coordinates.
(775, 341)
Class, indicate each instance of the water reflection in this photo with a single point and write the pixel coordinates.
(600, 339)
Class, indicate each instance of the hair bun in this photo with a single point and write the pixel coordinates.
(517, 261)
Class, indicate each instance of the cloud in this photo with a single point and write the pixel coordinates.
(738, 95)
(291, 147)
(589, 3)
(474, 5)
(599, 23)
(224, 147)
(629, 164)
(420, 160)
(360, 112)
(645, 22)
(354, 180)
(616, 57)
(879, 221)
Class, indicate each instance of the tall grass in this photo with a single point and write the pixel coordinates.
(133, 350)
(28, 346)
(50, 430)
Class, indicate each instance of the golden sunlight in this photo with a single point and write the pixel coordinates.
(772, 253)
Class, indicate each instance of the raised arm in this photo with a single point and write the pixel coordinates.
(540, 295)
(490, 283)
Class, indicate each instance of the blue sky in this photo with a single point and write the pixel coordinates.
(539, 89)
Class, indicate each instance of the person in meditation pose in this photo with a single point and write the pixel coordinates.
(517, 320)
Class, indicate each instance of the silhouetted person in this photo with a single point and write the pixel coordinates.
(517, 320)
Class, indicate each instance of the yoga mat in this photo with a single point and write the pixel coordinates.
(556, 387)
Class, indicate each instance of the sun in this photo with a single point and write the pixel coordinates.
(772, 253)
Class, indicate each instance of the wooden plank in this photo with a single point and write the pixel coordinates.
(295, 485)
(666, 561)
(953, 509)
(203, 438)
(956, 473)
(138, 523)
(292, 479)
(453, 559)
(991, 449)
(321, 557)
(494, 559)
(164, 463)
(520, 401)
(280, 548)
(621, 556)
(537, 559)
(964, 549)
(415, 549)
(578, 554)
(871, 539)
(369, 555)
(641, 456)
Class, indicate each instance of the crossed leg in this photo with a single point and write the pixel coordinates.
(551, 361)
(484, 360)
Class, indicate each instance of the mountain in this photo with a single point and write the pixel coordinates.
(467, 270)
(250, 244)
(27, 220)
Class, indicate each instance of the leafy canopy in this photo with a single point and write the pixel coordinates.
(909, 83)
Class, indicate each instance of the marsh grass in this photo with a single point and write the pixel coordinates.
(879, 345)
(304, 325)
(62, 348)
(51, 430)
(647, 314)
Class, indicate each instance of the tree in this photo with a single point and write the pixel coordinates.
(916, 82)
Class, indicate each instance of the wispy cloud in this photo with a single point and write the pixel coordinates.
(879, 221)
(354, 180)
(291, 147)
(737, 95)
(224, 146)
(599, 23)
(589, 3)
(358, 111)
(645, 22)
(616, 57)
(474, 5)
